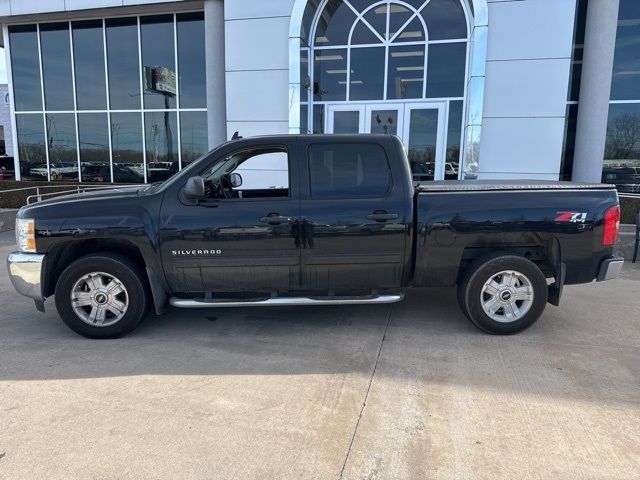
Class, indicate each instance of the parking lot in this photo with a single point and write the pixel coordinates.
(411, 390)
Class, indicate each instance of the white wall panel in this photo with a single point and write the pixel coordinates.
(28, 7)
(251, 129)
(530, 29)
(234, 9)
(521, 146)
(526, 88)
(252, 179)
(24, 7)
(5, 119)
(267, 48)
(84, 4)
(5, 7)
(258, 95)
(519, 175)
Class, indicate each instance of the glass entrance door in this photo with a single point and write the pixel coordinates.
(345, 119)
(385, 118)
(421, 126)
(424, 137)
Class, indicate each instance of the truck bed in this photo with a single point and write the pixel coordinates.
(456, 221)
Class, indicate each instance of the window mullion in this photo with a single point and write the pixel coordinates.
(424, 75)
(348, 91)
(44, 108)
(75, 101)
(144, 140)
(175, 48)
(386, 54)
(106, 83)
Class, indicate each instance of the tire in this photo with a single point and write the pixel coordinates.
(503, 294)
(110, 296)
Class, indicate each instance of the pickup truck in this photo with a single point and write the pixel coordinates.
(344, 225)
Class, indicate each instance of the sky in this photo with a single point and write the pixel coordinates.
(3, 67)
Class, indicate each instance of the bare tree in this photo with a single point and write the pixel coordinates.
(623, 137)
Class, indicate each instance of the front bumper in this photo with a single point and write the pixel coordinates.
(610, 268)
(25, 272)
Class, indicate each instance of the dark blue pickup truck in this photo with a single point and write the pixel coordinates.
(345, 225)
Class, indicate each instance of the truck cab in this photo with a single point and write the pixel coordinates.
(340, 220)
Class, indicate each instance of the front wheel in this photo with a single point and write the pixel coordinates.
(102, 296)
(503, 294)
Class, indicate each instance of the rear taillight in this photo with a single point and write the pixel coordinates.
(611, 226)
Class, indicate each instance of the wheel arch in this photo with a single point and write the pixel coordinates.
(543, 250)
(61, 255)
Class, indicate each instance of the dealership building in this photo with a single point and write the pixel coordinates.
(120, 90)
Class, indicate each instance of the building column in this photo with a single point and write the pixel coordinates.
(215, 71)
(595, 89)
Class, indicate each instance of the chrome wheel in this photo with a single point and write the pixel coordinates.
(99, 299)
(507, 296)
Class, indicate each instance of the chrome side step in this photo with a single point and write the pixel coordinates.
(283, 301)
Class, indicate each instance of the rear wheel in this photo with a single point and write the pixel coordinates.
(503, 294)
(102, 296)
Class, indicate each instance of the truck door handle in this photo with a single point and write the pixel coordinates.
(382, 216)
(275, 219)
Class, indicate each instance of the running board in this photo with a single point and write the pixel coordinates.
(283, 301)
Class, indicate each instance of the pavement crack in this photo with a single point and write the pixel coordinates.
(366, 395)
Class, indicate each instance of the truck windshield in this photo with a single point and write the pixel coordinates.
(224, 166)
(186, 171)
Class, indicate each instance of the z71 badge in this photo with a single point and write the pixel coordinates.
(572, 217)
(182, 253)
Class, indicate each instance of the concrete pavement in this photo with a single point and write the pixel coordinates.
(363, 392)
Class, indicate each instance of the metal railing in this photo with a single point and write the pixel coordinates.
(73, 188)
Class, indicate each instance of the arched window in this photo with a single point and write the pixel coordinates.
(400, 52)
(387, 50)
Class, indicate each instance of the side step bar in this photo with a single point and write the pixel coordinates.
(283, 301)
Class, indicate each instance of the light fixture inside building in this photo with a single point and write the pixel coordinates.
(416, 53)
(394, 9)
(326, 58)
(414, 34)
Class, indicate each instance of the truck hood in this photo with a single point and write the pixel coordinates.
(64, 201)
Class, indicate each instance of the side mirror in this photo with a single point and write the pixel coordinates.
(193, 190)
(235, 180)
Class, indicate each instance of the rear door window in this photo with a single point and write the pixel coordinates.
(345, 170)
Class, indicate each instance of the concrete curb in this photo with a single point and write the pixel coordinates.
(7, 219)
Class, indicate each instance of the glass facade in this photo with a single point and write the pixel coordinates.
(109, 100)
(387, 60)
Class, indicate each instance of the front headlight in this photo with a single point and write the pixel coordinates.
(26, 234)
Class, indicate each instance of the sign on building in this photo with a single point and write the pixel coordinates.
(160, 79)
